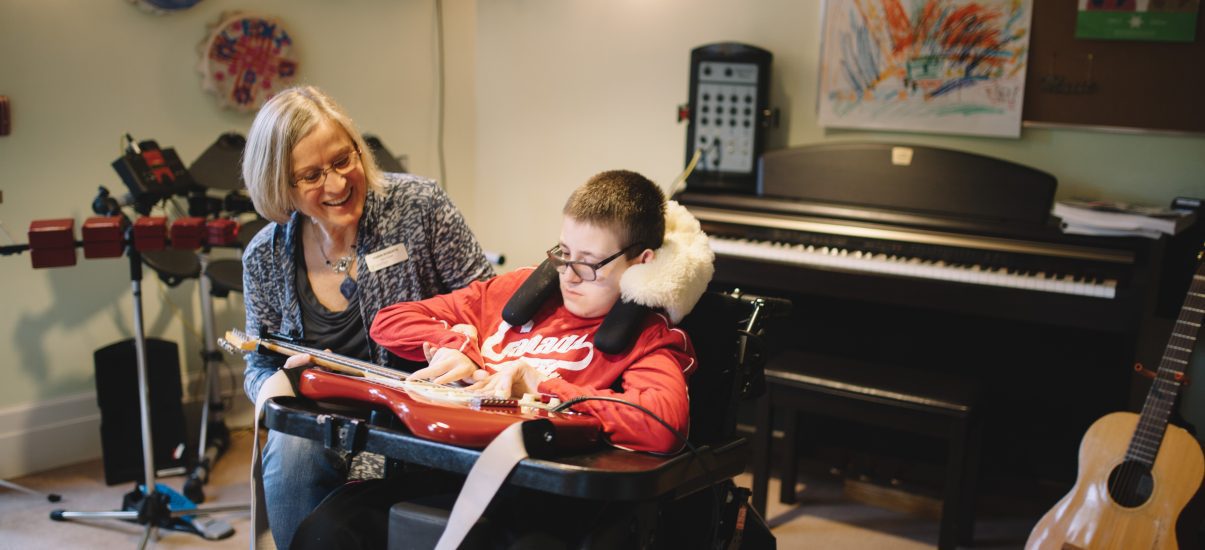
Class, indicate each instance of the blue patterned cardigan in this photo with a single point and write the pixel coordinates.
(443, 256)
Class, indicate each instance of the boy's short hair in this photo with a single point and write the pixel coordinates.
(624, 202)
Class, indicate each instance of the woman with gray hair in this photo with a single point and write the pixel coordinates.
(348, 240)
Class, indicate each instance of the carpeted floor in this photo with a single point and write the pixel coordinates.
(824, 519)
(25, 519)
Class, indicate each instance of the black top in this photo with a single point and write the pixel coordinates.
(342, 332)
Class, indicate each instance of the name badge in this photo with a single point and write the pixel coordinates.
(386, 257)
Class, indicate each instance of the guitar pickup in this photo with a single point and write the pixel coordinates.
(493, 403)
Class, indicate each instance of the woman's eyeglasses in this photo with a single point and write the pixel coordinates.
(342, 165)
(584, 270)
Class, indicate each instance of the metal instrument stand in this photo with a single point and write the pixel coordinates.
(208, 451)
(153, 508)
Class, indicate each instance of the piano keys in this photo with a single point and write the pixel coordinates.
(828, 229)
(872, 258)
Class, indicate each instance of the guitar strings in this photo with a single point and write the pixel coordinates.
(373, 368)
(1159, 395)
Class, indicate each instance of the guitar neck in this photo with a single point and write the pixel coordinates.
(334, 361)
(1162, 396)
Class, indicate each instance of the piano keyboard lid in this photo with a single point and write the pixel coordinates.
(910, 178)
(915, 194)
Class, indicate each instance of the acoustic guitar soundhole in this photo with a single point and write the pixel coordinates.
(1131, 484)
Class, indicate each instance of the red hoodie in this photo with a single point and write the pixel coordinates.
(652, 373)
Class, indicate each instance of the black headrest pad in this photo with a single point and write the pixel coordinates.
(617, 332)
(621, 326)
(532, 294)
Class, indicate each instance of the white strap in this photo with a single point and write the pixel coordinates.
(484, 479)
(491, 469)
(277, 385)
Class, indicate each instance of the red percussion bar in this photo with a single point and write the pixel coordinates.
(104, 237)
(150, 233)
(52, 243)
(187, 233)
(221, 232)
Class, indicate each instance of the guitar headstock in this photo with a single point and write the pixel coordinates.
(238, 341)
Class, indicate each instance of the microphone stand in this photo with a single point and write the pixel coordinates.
(152, 505)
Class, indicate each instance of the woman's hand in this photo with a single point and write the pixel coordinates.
(300, 360)
(511, 379)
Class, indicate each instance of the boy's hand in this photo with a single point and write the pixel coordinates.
(446, 365)
(429, 352)
(511, 379)
(467, 330)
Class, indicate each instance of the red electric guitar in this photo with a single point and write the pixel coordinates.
(441, 413)
(1137, 472)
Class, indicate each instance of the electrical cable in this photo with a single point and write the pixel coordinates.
(563, 406)
(680, 183)
(439, 68)
(7, 234)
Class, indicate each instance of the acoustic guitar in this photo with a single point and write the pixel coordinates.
(1136, 472)
(447, 414)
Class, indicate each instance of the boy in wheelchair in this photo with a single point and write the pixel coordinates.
(596, 320)
(619, 239)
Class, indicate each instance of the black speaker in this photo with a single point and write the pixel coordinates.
(120, 420)
(729, 115)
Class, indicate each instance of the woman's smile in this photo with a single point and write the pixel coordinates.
(340, 202)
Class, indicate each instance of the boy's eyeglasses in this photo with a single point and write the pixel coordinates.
(584, 270)
(342, 165)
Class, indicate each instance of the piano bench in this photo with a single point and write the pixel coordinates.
(897, 398)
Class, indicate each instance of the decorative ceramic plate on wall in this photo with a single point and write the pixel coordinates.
(161, 7)
(245, 59)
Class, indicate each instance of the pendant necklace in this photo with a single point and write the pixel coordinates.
(340, 265)
(348, 287)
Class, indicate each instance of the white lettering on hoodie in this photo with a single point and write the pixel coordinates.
(537, 345)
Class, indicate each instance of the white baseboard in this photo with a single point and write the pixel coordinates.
(66, 430)
(49, 434)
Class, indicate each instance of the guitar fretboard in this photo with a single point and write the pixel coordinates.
(1162, 396)
(439, 393)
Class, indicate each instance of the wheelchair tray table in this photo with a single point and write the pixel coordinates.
(602, 474)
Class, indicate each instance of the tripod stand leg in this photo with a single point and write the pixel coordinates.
(23, 489)
(146, 536)
(64, 515)
(126, 515)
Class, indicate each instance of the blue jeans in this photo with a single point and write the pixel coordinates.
(298, 474)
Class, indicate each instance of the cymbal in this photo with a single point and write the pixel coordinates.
(218, 167)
